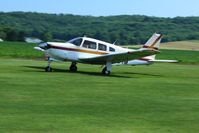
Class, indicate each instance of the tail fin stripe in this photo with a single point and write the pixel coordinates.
(155, 41)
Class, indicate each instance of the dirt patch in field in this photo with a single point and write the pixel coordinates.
(182, 45)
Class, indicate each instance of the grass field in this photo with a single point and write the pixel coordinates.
(161, 98)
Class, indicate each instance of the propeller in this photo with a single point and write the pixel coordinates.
(44, 46)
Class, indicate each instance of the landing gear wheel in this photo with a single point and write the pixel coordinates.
(48, 69)
(73, 67)
(106, 72)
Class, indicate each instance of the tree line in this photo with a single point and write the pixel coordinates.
(126, 29)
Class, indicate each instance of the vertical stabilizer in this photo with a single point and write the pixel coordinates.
(153, 42)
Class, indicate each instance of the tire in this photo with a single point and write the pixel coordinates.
(106, 72)
(48, 69)
(73, 68)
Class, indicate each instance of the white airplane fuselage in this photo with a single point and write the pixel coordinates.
(70, 52)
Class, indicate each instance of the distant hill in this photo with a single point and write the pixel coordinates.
(136, 29)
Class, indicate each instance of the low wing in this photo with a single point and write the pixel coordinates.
(119, 57)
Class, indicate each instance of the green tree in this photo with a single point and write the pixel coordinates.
(126, 29)
(3, 35)
(47, 36)
(12, 35)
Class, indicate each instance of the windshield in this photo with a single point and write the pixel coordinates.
(76, 42)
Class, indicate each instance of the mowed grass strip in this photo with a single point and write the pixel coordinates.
(183, 56)
(161, 98)
(19, 50)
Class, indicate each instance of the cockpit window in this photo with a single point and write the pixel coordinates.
(89, 44)
(76, 42)
(102, 47)
(111, 49)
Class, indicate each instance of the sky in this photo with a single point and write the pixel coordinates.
(159, 8)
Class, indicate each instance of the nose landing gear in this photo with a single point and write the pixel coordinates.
(48, 68)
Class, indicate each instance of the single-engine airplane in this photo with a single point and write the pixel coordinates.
(92, 51)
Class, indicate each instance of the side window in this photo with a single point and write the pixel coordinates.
(89, 44)
(102, 47)
(111, 49)
(77, 42)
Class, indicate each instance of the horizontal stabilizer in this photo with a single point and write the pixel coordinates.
(165, 61)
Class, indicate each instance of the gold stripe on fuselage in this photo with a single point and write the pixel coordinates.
(79, 50)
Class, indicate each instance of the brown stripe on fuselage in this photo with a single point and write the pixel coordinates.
(151, 47)
(78, 50)
(144, 59)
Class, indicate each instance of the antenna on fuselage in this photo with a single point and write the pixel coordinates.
(115, 42)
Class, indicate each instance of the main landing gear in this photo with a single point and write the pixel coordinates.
(107, 69)
(73, 67)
